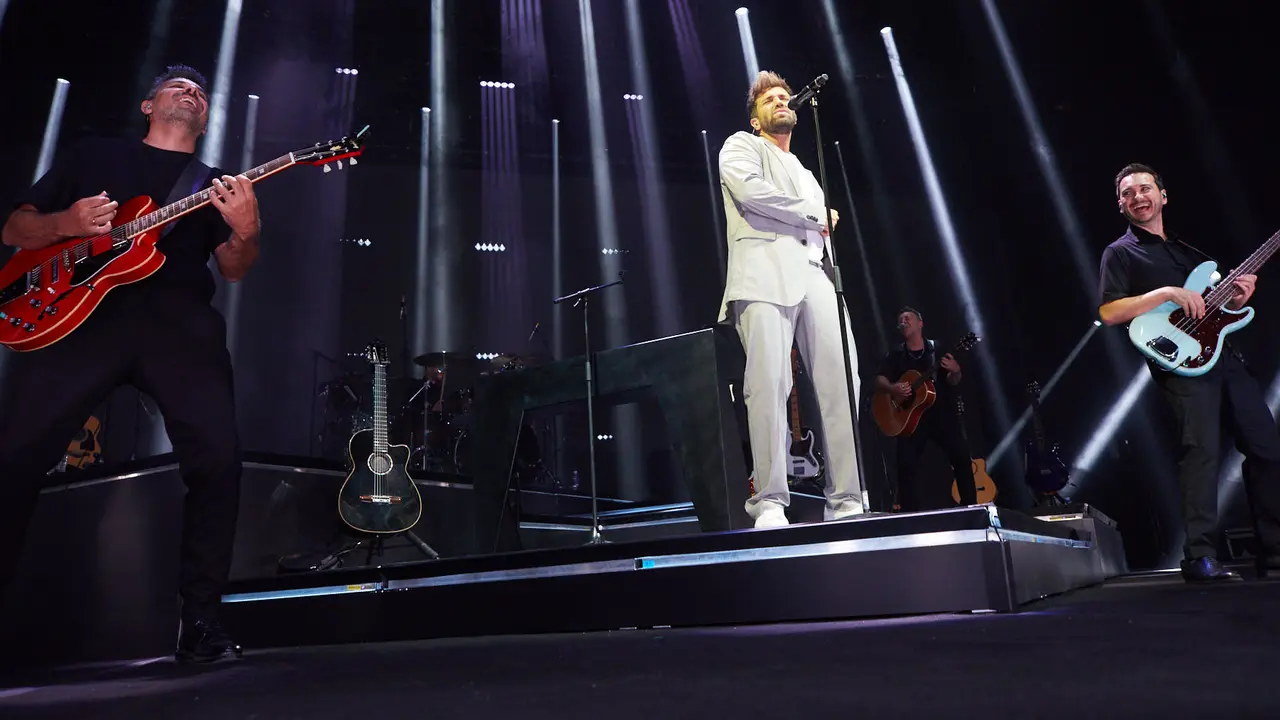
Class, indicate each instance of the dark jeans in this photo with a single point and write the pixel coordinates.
(1226, 396)
(176, 355)
(941, 426)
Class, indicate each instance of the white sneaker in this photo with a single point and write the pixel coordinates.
(772, 515)
(846, 508)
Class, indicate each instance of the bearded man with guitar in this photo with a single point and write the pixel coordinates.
(778, 292)
(159, 334)
(1149, 272)
(939, 424)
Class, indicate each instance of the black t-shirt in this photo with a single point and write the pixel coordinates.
(1139, 262)
(900, 359)
(126, 169)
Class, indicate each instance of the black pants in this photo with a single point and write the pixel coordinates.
(1227, 396)
(941, 426)
(177, 355)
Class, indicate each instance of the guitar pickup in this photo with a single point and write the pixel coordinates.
(1164, 347)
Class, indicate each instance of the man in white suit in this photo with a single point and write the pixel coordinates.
(778, 291)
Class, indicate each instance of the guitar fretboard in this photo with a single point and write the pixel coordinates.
(1224, 291)
(379, 408)
(192, 202)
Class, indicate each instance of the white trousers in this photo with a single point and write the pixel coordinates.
(767, 332)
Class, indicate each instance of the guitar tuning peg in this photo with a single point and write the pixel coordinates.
(328, 169)
(339, 164)
(353, 162)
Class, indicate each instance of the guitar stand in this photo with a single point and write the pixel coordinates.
(377, 545)
(1051, 500)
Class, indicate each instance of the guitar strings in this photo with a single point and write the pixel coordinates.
(1222, 293)
(122, 233)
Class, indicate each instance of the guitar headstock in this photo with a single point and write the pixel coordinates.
(967, 342)
(376, 353)
(333, 151)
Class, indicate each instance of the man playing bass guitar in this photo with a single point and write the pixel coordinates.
(939, 424)
(1143, 269)
(159, 334)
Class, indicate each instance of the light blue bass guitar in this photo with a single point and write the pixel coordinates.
(1191, 347)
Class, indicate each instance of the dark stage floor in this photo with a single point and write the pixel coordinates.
(1136, 647)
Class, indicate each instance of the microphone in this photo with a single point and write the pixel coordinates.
(806, 93)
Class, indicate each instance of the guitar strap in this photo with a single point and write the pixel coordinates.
(189, 182)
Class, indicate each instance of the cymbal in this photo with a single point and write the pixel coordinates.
(444, 359)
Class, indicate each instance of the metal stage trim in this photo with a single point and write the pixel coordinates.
(305, 592)
(877, 544)
(975, 559)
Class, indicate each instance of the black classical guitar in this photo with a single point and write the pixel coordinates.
(1046, 473)
(378, 496)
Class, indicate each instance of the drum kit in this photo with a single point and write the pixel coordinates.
(431, 414)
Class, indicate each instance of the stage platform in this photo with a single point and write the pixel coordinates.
(976, 559)
(97, 575)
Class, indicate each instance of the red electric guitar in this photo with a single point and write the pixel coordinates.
(46, 294)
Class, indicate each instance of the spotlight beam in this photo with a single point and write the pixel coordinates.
(629, 458)
(663, 277)
(1110, 423)
(748, 44)
(422, 259)
(606, 226)
(233, 289)
(441, 256)
(52, 125)
(1046, 161)
(867, 277)
(1011, 437)
(215, 135)
(946, 230)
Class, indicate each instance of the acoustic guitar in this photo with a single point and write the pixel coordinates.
(982, 482)
(85, 448)
(901, 418)
(378, 495)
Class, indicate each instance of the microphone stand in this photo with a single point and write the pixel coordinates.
(841, 305)
(582, 297)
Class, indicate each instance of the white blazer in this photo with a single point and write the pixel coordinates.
(771, 218)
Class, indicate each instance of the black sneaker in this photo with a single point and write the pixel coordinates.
(205, 641)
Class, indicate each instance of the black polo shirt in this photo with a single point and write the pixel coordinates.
(900, 359)
(1140, 262)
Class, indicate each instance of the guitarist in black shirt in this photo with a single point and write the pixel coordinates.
(939, 424)
(159, 334)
